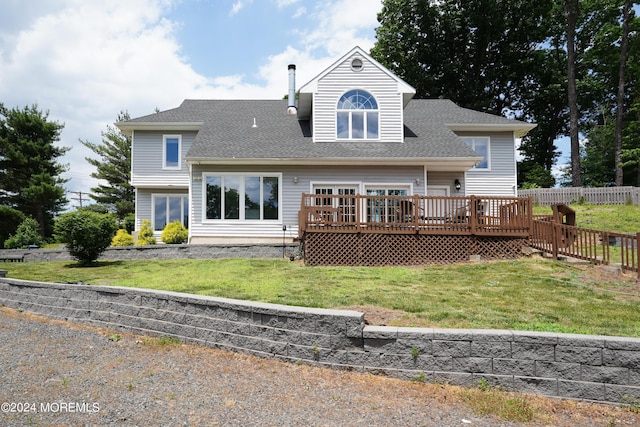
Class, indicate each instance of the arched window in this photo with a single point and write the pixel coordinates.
(357, 116)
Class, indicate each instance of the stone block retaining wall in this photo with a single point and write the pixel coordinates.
(595, 368)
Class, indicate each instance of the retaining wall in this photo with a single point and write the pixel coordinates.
(595, 368)
(194, 251)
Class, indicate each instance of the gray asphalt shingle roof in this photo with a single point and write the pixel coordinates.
(227, 131)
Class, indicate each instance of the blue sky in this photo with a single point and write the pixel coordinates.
(85, 61)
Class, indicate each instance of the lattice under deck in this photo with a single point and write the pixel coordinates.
(405, 249)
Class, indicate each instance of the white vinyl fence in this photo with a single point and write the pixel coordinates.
(596, 196)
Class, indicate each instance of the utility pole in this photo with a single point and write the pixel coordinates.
(79, 198)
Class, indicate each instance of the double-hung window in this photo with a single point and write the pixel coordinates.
(482, 147)
(171, 151)
(242, 197)
(357, 116)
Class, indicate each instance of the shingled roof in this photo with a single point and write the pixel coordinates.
(226, 132)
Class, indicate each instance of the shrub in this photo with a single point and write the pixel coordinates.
(145, 235)
(122, 238)
(129, 223)
(87, 234)
(10, 219)
(174, 233)
(27, 234)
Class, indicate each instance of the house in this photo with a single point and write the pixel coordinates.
(234, 171)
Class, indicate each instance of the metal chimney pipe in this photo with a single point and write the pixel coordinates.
(291, 106)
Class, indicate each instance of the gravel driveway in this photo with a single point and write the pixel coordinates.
(56, 373)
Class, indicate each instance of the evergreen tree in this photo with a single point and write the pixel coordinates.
(113, 167)
(29, 171)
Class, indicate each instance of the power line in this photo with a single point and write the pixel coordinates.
(79, 198)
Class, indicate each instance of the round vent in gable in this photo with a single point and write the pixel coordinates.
(357, 64)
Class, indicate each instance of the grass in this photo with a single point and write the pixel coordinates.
(614, 218)
(529, 294)
(161, 341)
(488, 400)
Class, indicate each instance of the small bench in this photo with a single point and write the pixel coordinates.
(12, 258)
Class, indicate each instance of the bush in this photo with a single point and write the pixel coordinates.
(174, 233)
(122, 238)
(145, 235)
(129, 223)
(27, 234)
(10, 219)
(87, 234)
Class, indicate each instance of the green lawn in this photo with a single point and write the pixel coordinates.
(615, 218)
(530, 294)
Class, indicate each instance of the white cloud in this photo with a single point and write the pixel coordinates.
(338, 30)
(86, 61)
(301, 11)
(238, 6)
(285, 3)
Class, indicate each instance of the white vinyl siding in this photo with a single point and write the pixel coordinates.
(500, 180)
(375, 81)
(148, 161)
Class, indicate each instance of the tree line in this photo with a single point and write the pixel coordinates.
(571, 66)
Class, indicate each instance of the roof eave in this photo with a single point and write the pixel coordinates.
(128, 127)
(432, 163)
(518, 128)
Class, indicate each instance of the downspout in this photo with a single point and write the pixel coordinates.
(190, 193)
(424, 179)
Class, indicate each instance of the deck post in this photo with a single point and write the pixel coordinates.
(638, 253)
(416, 212)
(473, 207)
(554, 239)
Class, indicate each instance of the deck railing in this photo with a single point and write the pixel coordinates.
(595, 246)
(473, 215)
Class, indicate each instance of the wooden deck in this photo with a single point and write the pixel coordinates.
(428, 215)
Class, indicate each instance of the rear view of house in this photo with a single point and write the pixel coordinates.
(236, 170)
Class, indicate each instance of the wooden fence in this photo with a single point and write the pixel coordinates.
(598, 247)
(596, 196)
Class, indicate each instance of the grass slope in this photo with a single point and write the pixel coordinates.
(530, 294)
(615, 218)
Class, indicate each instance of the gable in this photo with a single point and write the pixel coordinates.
(344, 70)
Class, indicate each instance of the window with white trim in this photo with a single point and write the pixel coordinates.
(168, 208)
(171, 151)
(357, 116)
(482, 147)
(242, 197)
